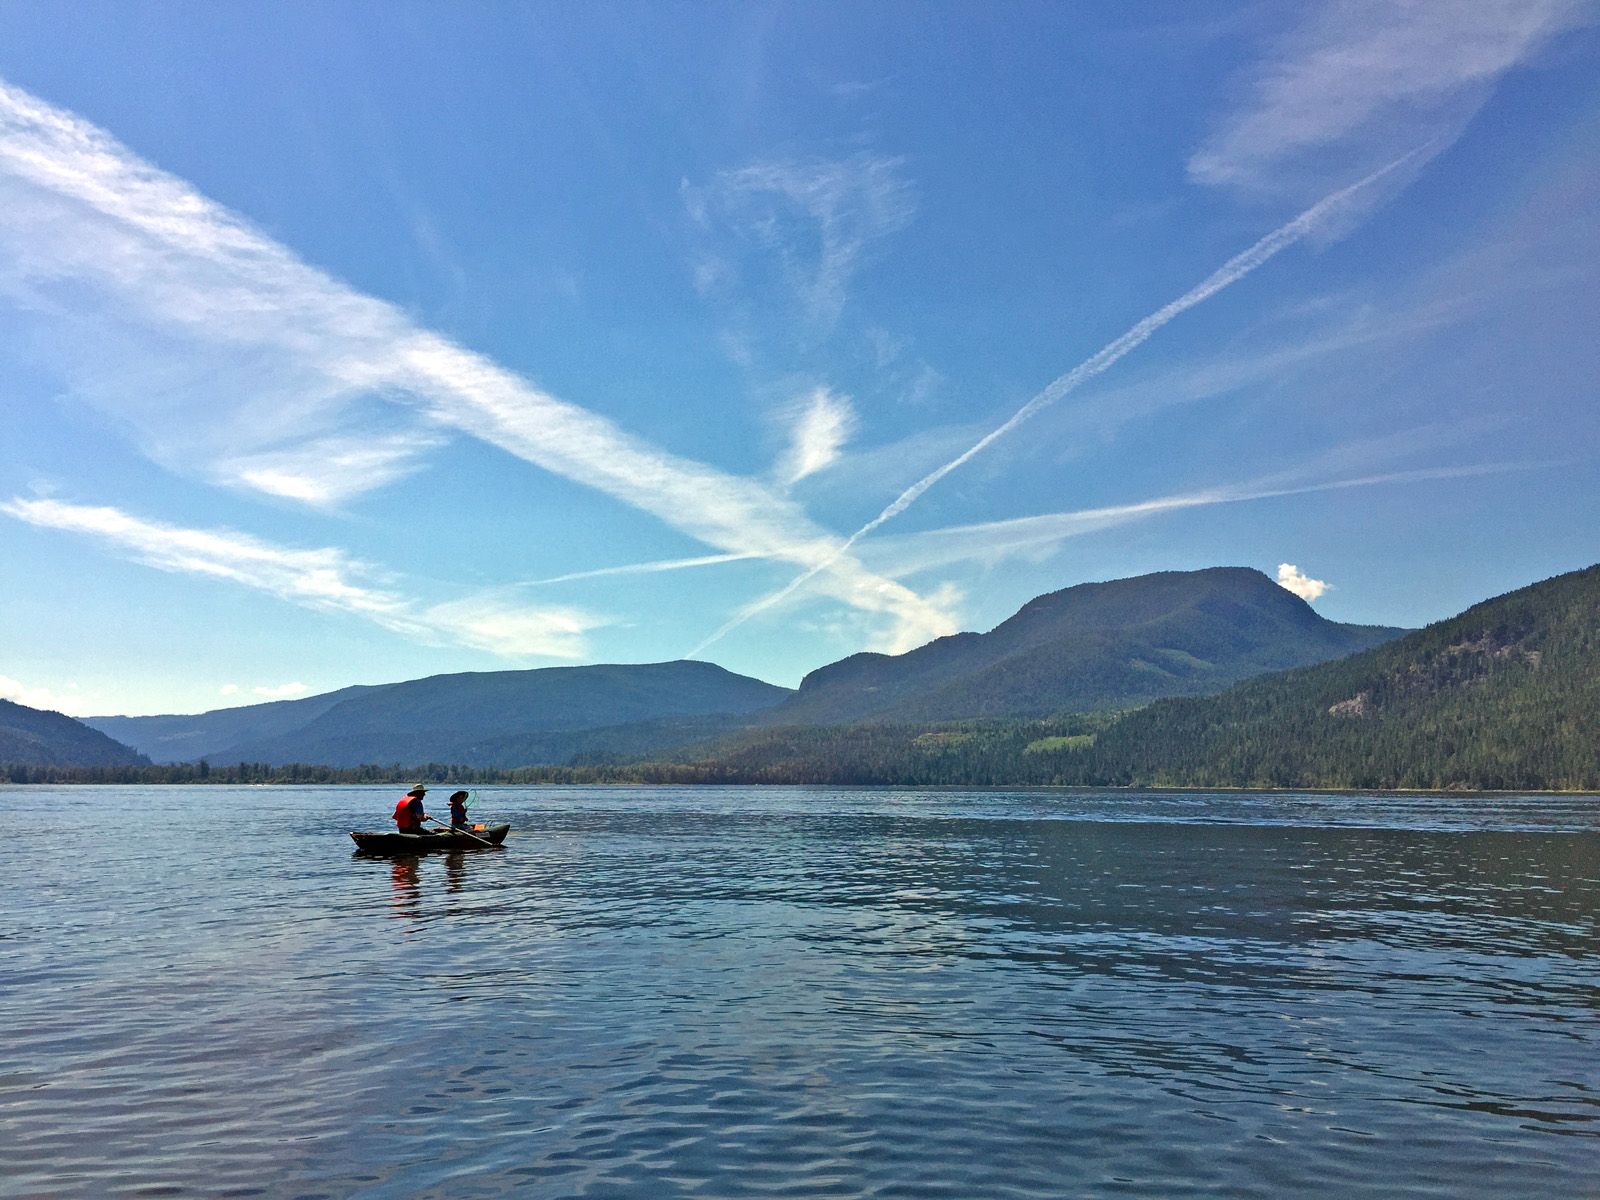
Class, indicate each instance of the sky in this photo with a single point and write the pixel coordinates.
(364, 342)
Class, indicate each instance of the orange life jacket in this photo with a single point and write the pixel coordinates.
(405, 814)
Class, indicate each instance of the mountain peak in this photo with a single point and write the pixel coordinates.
(1105, 644)
(1501, 696)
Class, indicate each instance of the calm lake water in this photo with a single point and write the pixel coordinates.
(729, 992)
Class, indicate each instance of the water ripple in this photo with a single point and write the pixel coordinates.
(803, 992)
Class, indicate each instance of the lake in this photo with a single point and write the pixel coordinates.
(807, 992)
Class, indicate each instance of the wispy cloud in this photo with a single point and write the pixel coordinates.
(69, 700)
(223, 352)
(1291, 578)
(1293, 361)
(1102, 360)
(325, 579)
(814, 218)
(1034, 537)
(324, 471)
(499, 624)
(214, 348)
(1109, 355)
(854, 89)
(1356, 80)
(823, 423)
(737, 515)
(274, 691)
(993, 541)
(267, 691)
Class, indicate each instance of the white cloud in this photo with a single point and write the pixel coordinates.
(324, 579)
(1356, 81)
(282, 691)
(1297, 581)
(739, 516)
(217, 351)
(325, 471)
(223, 353)
(815, 217)
(71, 701)
(277, 691)
(822, 425)
(501, 626)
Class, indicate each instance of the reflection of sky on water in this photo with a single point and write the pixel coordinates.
(958, 993)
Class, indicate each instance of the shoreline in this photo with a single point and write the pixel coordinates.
(1225, 789)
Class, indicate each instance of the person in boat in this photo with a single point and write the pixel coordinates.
(409, 814)
(458, 810)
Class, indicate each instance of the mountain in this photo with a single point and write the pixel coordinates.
(169, 739)
(1506, 695)
(32, 737)
(495, 718)
(1094, 646)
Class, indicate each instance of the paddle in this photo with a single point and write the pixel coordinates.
(456, 829)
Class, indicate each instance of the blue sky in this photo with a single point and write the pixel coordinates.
(354, 343)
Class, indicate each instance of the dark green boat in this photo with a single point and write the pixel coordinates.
(423, 843)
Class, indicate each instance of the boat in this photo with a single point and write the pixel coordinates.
(423, 843)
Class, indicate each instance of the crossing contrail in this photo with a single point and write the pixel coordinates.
(645, 568)
(1235, 269)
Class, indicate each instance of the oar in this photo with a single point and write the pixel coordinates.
(455, 829)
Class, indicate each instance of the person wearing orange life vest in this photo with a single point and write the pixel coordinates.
(408, 814)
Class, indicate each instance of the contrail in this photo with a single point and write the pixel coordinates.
(1232, 271)
(1050, 527)
(234, 358)
(1047, 528)
(647, 568)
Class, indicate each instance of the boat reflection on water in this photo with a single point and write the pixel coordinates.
(404, 877)
(455, 870)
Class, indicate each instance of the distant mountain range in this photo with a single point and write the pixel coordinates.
(49, 739)
(1095, 646)
(490, 719)
(1096, 684)
(191, 738)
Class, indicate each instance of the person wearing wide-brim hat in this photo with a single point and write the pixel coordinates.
(408, 814)
(458, 809)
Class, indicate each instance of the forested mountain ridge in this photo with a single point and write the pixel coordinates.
(1091, 647)
(1505, 695)
(35, 737)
